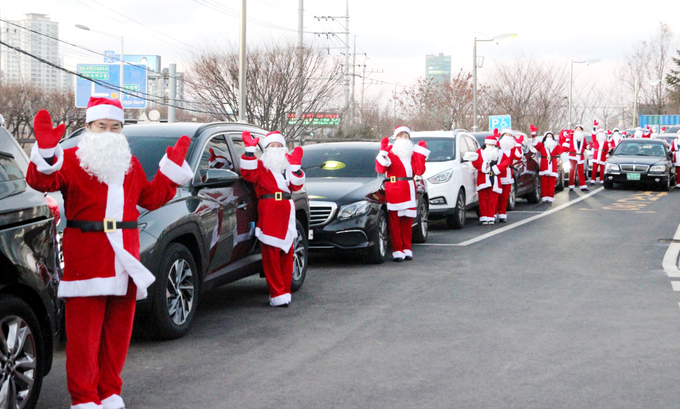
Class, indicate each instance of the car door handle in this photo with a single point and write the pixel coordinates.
(243, 205)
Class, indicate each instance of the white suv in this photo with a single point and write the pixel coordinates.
(451, 181)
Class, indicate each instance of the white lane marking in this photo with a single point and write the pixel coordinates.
(676, 285)
(516, 224)
(670, 259)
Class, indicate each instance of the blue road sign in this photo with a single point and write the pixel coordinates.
(109, 57)
(134, 78)
(645, 120)
(500, 122)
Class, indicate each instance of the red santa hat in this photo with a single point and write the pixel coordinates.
(506, 131)
(104, 108)
(490, 140)
(600, 130)
(274, 137)
(400, 129)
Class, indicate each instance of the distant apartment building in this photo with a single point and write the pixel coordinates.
(438, 68)
(18, 68)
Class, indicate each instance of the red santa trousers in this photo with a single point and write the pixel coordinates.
(278, 269)
(548, 186)
(572, 173)
(503, 198)
(597, 170)
(98, 331)
(401, 230)
(677, 172)
(488, 203)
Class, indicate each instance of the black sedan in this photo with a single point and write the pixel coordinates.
(347, 205)
(641, 161)
(31, 315)
(205, 236)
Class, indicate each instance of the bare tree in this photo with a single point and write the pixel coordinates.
(274, 88)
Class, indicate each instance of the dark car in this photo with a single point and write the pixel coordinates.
(205, 236)
(31, 315)
(525, 171)
(347, 200)
(646, 161)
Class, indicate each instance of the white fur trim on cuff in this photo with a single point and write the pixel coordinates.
(407, 213)
(423, 151)
(383, 160)
(40, 163)
(178, 174)
(295, 180)
(280, 300)
(88, 405)
(248, 164)
(295, 168)
(113, 402)
(251, 149)
(566, 144)
(496, 170)
(47, 153)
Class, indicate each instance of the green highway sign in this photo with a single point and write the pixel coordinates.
(91, 69)
(131, 87)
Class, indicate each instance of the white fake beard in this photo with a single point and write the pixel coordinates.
(274, 159)
(490, 153)
(105, 156)
(507, 143)
(550, 144)
(600, 137)
(616, 135)
(403, 148)
(579, 135)
(638, 134)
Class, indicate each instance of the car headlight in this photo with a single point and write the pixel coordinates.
(658, 168)
(442, 177)
(353, 209)
(612, 167)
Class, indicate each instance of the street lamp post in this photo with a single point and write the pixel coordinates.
(122, 84)
(635, 107)
(496, 39)
(571, 80)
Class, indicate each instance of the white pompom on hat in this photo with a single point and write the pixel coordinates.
(274, 137)
(104, 108)
(400, 129)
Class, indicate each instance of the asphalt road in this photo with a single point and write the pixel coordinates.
(567, 306)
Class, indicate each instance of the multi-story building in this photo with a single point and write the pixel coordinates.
(438, 68)
(18, 68)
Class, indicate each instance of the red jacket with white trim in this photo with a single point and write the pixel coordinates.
(490, 176)
(401, 194)
(276, 218)
(600, 151)
(99, 263)
(548, 166)
(576, 149)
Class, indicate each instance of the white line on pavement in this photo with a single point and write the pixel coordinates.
(676, 285)
(670, 259)
(517, 224)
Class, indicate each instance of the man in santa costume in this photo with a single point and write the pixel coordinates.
(400, 163)
(549, 150)
(102, 185)
(275, 176)
(675, 148)
(510, 150)
(485, 160)
(615, 139)
(600, 151)
(576, 145)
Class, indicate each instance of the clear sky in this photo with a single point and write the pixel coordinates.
(396, 35)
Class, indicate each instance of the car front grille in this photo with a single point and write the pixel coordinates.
(635, 168)
(321, 212)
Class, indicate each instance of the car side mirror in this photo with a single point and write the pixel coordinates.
(216, 177)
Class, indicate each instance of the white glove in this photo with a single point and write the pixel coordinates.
(471, 156)
(532, 149)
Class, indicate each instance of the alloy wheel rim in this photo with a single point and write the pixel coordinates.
(461, 208)
(17, 362)
(423, 219)
(180, 291)
(298, 258)
(512, 195)
(382, 236)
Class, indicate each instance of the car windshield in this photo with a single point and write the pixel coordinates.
(328, 160)
(149, 150)
(441, 149)
(640, 147)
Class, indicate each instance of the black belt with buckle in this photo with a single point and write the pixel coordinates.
(107, 225)
(277, 196)
(393, 179)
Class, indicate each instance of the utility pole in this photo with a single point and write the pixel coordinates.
(301, 50)
(354, 59)
(346, 56)
(242, 66)
(172, 84)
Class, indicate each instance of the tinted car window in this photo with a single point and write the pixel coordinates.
(471, 143)
(218, 158)
(640, 148)
(8, 145)
(240, 147)
(441, 149)
(9, 170)
(342, 162)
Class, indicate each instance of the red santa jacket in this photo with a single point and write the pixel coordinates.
(675, 147)
(600, 150)
(510, 157)
(489, 176)
(548, 166)
(99, 263)
(276, 218)
(401, 194)
(576, 149)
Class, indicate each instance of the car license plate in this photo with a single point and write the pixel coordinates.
(633, 176)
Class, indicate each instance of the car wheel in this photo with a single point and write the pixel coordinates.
(457, 219)
(22, 354)
(559, 183)
(378, 253)
(512, 199)
(176, 298)
(421, 228)
(535, 195)
(300, 257)
(666, 185)
(608, 184)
